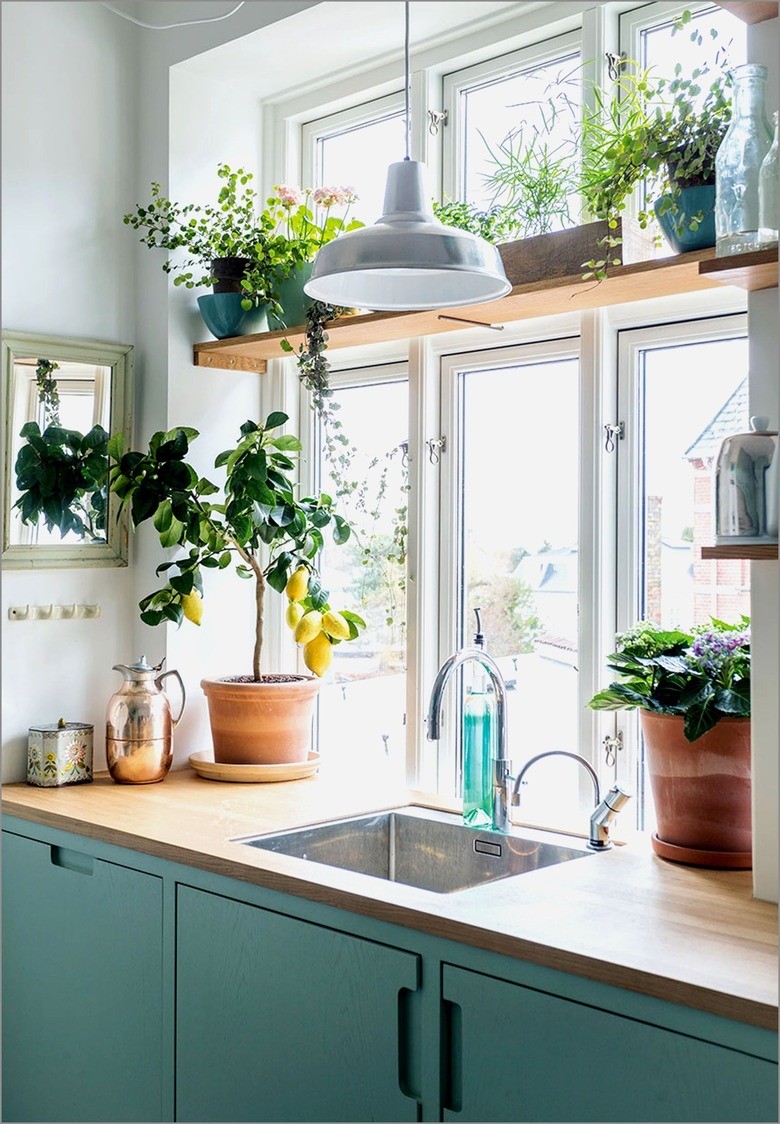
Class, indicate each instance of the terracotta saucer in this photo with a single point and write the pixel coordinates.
(205, 766)
(722, 860)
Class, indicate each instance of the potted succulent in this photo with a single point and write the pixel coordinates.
(257, 522)
(227, 245)
(692, 690)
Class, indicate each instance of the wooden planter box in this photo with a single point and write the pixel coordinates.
(563, 253)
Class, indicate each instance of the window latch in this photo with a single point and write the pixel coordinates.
(612, 747)
(437, 117)
(616, 429)
(616, 64)
(436, 446)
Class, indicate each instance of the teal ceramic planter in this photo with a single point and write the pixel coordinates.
(224, 317)
(675, 226)
(292, 298)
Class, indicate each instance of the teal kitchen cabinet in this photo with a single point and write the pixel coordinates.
(280, 1019)
(82, 986)
(518, 1054)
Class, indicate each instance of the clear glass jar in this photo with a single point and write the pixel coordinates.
(738, 163)
(768, 202)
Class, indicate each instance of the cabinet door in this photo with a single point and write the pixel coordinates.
(280, 1019)
(82, 987)
(522, 1055)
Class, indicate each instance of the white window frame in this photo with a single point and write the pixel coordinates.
(631, 343)
(491, 70)
(316, 129)
(634, 22)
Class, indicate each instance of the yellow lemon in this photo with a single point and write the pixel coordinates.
(309, 626)
(293, 614)
(335, 625)
(298, 584)
(318, 654)
(192, 604)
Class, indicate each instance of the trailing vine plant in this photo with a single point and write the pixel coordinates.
(377, 554)
(48, 392)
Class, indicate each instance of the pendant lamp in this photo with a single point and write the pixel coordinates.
(407, 260)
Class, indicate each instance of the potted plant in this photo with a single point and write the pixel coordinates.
(301, 220)
(227, 245)
(62, 478)
(257, 522)
(664, 133)
(692, 690)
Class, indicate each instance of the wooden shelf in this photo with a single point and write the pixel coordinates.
(683, 273)
(757, 552)
(745, 271)
(752, 11)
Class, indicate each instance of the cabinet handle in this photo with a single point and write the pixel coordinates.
(452, 1056)
(72, 860)
(408, 1044)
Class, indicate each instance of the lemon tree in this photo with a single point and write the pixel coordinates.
(255, 523)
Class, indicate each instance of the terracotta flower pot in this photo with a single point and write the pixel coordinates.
(266, 723)
(701, 791)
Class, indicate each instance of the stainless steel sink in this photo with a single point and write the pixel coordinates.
(421, 847)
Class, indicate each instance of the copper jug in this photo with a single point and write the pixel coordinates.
(139, 725)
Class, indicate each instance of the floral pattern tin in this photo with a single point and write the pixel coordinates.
(59, 753)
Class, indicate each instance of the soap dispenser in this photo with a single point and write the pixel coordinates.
(479, 745)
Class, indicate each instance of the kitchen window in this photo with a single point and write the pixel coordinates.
(647, 35)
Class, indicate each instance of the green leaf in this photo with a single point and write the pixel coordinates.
(163, 516)
(172, 536)
(287, 443)
(275, 419)
(115, 446)
(341, 530)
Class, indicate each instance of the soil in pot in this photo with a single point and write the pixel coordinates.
(261, 723)
(701, 791)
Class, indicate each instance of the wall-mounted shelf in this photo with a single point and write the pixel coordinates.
(684, 273)
(752, 11)
(756, 553)
(754, 271)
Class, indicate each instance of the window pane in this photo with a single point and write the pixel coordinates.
(707, 382)
(518, 561)
(662, 50)
(363, 699)
(543, 99)
(358, 157)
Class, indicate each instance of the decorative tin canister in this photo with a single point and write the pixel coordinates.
(59, 753)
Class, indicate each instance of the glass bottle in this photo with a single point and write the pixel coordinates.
(768, 202)
(738, 162)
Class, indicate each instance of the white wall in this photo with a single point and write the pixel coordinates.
(68, 157)
(763, 320)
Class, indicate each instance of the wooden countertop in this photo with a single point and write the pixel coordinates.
(626, 918)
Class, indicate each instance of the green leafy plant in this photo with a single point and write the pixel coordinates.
(62, 477)
(535, 179)
(703, 675)
(495, 224)
(256, 522)
(302, 220)
(48, 391)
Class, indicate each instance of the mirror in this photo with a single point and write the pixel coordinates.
(63, 399)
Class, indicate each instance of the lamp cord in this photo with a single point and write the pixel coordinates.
(407, 112)
(168, 26)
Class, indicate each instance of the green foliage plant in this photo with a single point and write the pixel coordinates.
(48, 391)
(256, 521)
(302, 221)
(702, 674)
(62, 477)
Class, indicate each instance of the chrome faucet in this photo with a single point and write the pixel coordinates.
(502, 766)
(604, 812)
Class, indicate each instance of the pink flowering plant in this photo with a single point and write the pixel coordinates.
(703, 675)
(302, 220)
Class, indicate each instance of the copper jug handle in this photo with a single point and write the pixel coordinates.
(159, 680)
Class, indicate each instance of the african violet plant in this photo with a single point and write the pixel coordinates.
(256, 521)
(703, 675)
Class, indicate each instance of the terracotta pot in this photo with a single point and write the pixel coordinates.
(701, 790)
(266, 723)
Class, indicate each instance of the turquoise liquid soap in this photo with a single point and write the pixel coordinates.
(479, 747)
